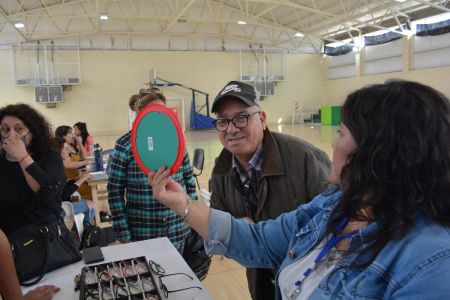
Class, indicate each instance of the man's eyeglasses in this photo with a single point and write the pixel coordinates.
(239, 121)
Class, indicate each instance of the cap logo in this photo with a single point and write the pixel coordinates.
(231, 87)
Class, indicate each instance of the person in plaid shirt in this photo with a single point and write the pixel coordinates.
(136, 214)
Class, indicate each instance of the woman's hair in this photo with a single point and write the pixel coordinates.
(132, 102)
(42, 139)
(60, 142)
(83, 130)
(401, 164)
(148, 99)
(62, 131)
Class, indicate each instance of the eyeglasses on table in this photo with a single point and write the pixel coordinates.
(161, 272)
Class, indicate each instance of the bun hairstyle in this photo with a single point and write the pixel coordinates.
(147, 99)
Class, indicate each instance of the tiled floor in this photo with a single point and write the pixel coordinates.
(226, 279)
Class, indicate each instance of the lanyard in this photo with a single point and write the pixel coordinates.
(329, 245)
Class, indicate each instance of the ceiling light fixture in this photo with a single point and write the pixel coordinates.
(242, 22)
(299, 34)
(19, 24)
(104, 17)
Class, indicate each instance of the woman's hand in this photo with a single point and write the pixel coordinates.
(14, 146)
(166, 190)
(44, 292)
(82, 178)
(78, 141)
(172, 194)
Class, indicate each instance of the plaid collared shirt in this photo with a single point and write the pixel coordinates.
(255, 165)
(249, 185)
(136, 214)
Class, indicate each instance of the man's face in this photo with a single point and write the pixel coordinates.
(242, 142)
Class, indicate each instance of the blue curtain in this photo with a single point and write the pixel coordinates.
(335, 51)
(438, 28)
(381, 38)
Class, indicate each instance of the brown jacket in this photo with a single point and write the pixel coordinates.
(294, 171)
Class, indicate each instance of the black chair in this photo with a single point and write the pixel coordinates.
(197, 163)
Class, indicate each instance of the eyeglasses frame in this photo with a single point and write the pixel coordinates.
(232, 120)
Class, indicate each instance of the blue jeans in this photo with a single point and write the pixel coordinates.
(82, 207)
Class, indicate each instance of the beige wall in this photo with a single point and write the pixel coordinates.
(305, 84)
(110, 77)
(438, 78)
(336, 90)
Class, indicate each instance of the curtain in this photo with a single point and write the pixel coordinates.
(335, 51)
(438, 28)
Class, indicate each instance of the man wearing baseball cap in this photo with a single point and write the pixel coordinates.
(260, 174)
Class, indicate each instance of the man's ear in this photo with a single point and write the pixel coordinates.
(262, 117)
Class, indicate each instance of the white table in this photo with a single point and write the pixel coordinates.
(159, 250)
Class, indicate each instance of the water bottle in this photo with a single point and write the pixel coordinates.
(98, 154)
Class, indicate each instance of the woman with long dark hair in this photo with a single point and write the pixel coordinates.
(80, 131)
(31, 170)
(74, 157)
(383, 231)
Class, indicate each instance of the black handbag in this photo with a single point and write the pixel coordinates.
(39, 249)
(92, 236)
(195, 255)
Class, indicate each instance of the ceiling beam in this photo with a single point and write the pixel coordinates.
(440, 7)
(5, 15)
(180, 13)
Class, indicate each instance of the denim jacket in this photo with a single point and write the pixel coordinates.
(417, 266)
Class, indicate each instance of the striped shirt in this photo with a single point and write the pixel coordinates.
(136, 214)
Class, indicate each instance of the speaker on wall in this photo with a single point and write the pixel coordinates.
(55, 93)
(41, 94)
(48, 94)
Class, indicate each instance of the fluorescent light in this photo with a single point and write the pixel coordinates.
(299, 34)
(104, 17)
(19, 25)
(242, 22)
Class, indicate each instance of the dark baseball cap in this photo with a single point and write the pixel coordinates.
(236, 89)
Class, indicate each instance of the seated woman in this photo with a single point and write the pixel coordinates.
(382, 233)
(80, 130)
(87, 207)
(9, 285)
(76, 158)
(32, 174)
